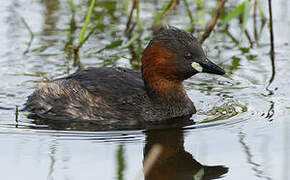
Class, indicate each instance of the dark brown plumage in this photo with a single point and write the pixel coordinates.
(120, 95)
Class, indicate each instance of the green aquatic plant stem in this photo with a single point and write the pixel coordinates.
(163, 11)
(139, 24)
(132, 39)
(27, 27)
(73, 6)
(165, 8)
(188, 10)
(83, 37)
(226, 31)
(121, 162)
(126, 5)
(261, 11)
(255, 21)
(200, 3)
(189, 15)
(87, 21)
(233, 14)
(76, 49)
(31, 35)
(246, 15)
(90, 33)
(242, 10)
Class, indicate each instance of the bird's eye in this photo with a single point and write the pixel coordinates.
(188, 55)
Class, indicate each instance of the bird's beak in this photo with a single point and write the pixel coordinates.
(207, 66)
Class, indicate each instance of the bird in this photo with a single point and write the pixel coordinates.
(117, 95)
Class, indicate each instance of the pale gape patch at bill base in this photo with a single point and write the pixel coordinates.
(196, 66)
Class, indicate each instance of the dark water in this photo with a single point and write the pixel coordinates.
(242, 129)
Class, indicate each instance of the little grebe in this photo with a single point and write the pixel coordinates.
(112, 95)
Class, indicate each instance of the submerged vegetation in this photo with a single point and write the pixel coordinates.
(116, 32)
(202, 21)
(77, 34)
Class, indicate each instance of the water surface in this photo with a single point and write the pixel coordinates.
(242, 128)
